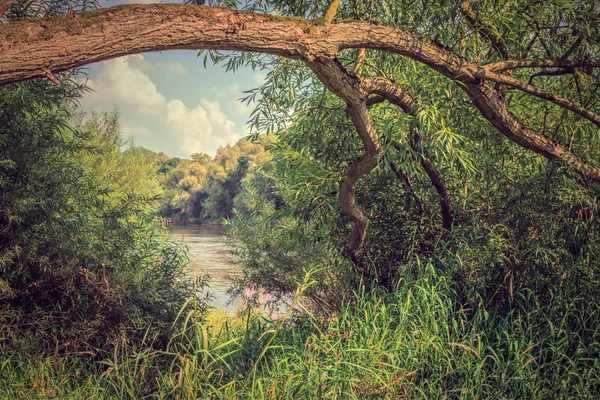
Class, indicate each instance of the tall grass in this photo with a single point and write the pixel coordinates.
(415, 342)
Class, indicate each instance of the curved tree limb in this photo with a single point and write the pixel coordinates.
(5, 5)
(64, 42)
(396, 95)
(555, 72)
(30, 48)
(402, 175)
(27, 48)
(350, 89)
(493, 107)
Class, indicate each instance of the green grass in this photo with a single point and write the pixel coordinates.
(416, 342)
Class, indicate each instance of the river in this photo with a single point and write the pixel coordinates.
(209, 254)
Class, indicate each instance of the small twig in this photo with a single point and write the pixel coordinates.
(51, 77)
(559, 72)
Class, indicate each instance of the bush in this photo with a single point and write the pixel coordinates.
(80, 265)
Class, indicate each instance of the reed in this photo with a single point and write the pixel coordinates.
(413, 342)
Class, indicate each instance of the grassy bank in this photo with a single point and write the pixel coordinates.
(413, 343)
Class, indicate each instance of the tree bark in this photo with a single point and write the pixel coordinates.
(353, 91)
(5, 5)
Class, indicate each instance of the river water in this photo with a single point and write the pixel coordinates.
(209, 254)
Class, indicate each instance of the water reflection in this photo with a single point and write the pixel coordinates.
(209, 254)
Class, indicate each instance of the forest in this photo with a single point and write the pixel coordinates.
(208, 189)
(421, 187)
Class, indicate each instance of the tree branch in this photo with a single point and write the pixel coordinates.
(543, 94)
(558, 72)
(493, 107)
(331, 12)
(5, 5)
(349, 88)
(68, 41)
(540, 63)
(496, 42)
(396, 95)
(65, 42)
(402, 175)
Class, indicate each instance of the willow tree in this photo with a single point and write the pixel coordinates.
(504, 57)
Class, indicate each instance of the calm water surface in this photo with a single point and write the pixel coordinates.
(209, 254)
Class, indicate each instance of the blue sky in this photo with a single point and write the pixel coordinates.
(169, 102)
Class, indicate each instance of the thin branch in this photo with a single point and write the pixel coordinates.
(480, 26)
(50, 77)
(5, 5)
(543, 94)
(541, 63)
(392, 92)
(402, 175)
(558, 72)
(573, 47)
(435, 177)
(372, 100)
(331, 12)
(360, 60)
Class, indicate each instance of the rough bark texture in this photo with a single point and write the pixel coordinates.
(532, 90)
(72, 40)
(352, 90)
(540, 63)
(28, 49)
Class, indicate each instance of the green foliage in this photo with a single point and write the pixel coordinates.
(503, 305)
(416, 341)
(80, 264)
(521, 222)
(205, 188)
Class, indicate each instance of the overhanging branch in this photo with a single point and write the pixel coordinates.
(396, 95)
(29, 48)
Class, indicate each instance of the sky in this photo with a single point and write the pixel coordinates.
(169, 102)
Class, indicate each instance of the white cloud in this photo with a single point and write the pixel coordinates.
(135, 131)
(222, 91)
(173, 68)
(239, 108)
(124, 83)
(203, 128)
(259, 77)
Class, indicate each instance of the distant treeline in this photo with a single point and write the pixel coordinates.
(207, 188)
